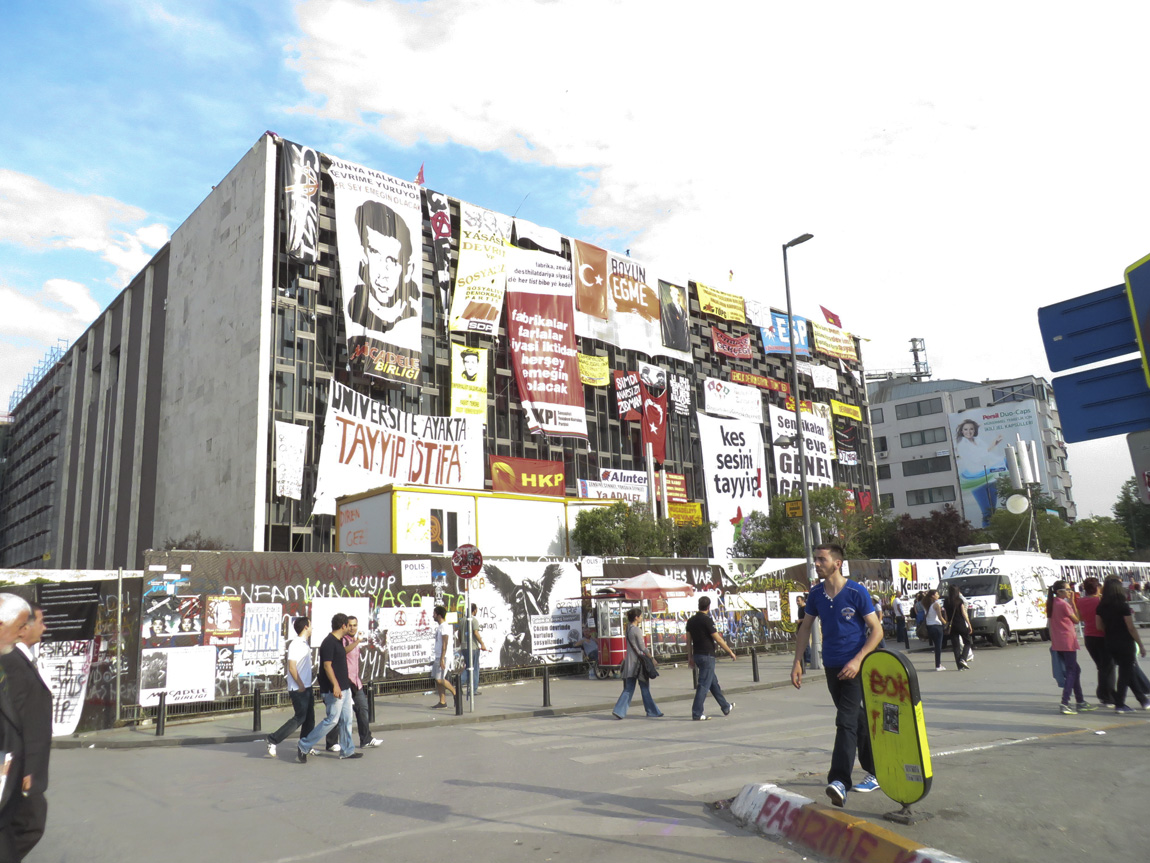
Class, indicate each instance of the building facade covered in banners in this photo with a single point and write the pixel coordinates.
(318, 328)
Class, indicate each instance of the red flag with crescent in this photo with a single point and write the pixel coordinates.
(590, 279)
(653, 386)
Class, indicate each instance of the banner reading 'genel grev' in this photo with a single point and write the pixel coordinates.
(541, 329)
(379, 235)
(734, 472)
(368, 444)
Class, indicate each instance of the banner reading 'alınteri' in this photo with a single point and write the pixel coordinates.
(379, 230)
(368, 444)
(541, 330)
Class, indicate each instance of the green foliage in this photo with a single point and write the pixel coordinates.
(194, 542)
(1087, 539)
(1134, 517)
(774, 534)
(626, 530)
(937, 535)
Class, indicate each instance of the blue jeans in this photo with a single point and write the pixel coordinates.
(708, 682)
(629, 690)
(303, 702)
(851, 733)
(986, 496)
(338, 710)
(935, 633)
(1073, 676)
(362, 723)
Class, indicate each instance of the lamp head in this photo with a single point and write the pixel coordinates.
(797, 240)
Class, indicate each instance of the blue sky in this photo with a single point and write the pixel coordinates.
(958, 168)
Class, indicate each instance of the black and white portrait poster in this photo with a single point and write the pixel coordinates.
(378, 229)
(680, 394)
(301, 199)
(439, 214)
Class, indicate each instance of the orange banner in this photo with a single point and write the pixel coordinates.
(759, 381)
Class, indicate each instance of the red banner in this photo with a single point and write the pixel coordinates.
(759, 381)
(528, 476)
(628, 399)
(590, 279)
(653, 386)
(731, 346)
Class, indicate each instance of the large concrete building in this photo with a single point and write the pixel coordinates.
(940, 442)
(158, 422)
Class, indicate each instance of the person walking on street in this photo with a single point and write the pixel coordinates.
(351, 645)
(471, 652)
(335, 687)
(851, 630)
(1061, 615)
(701, 642)
(299, 681)
(958, 625)
(901, 608)
(1113, 616)
(439, 667)
(1096, 641)
(634, 669)
(935, 626)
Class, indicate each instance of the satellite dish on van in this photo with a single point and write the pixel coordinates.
(1017, 504)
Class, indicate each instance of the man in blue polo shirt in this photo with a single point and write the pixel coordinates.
(851, 630)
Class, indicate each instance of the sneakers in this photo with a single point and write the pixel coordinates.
(1068, 710)
(730, 707)
(940, 668)
(964, 666)
(969, 654)
(375, 741)
(439, 706)
(300, 756)
(1085, 707)
(869, 783)
(271, 748)
(333, 748)
(837, 792)
(1123, 708)
(349, 757)
(616, 715)
(702, 718)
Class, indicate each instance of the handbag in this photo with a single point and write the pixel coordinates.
(649, 667)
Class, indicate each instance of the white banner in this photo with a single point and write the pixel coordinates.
(368, 444)
(758, 314)
(817, 437)
(725, 399)
(733, 467)
(613, 490)
(65, 665)
(291, 444)
(187, 674)
(481, 276)
(261, 649)
(825, 377)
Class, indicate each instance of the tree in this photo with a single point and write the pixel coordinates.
(775, 534)
(755, 536)
(1134, 516)
(938, 535)
(1099, 538)
(626, 530)
(194, 542)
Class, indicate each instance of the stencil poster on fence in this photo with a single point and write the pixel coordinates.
(628, 292)
(541, 332)
(734, 474)
(368, 444)
(379, 237)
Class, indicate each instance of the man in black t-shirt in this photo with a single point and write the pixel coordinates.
(335, 687)
(701, 655)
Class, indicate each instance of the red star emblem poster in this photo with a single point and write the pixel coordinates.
(653, 386)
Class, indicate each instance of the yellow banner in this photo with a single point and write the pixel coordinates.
(468, 381)
(720, 303)
(842, 409)
(594, 371)
(686, 513)
(834, 342)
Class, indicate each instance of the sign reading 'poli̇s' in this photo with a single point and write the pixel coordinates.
(541, 330)
(368, 444)
(378, 231)
(734, 472)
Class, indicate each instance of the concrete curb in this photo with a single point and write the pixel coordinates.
(830, 833)
(97, 740)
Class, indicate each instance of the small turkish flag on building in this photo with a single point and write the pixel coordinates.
(832, 318)
(419, 182)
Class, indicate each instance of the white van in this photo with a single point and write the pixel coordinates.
(1005, 590)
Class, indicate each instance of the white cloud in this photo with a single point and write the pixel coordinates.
(61, 309)
(38, 216)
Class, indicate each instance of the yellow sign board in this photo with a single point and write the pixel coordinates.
(594, 371)
(897, 727)
(843, 409)
(794, 508)
(685, 513)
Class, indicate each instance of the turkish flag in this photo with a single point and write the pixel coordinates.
(832, 319)
(590, 266)
(653, 387)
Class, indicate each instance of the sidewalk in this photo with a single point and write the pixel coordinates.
(516, 700)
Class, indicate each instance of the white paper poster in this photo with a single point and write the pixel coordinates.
(187, 674)
(416, 572)
(725, 399)
(774, 605)
(261, 649)
(368, 444)
(324, 608)
(734, 473)
(65, 665)
(291, 444)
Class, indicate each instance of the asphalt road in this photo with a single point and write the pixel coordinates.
(1014, 780)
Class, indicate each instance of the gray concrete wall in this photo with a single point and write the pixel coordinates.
(212, 442)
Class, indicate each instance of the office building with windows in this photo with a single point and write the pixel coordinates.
(943, 442)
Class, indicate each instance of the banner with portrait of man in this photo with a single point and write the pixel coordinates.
(379, 230)
(468, 381)
(301, 200)
(481, 275)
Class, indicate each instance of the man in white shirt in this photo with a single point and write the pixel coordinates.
(443, 650)
(299, 679)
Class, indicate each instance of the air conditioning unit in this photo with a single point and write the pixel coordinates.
(881, 455)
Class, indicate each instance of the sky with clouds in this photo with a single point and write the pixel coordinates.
(959, 166)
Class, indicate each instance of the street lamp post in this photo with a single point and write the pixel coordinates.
(816, 661)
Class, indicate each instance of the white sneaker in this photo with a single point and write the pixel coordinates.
(271, 749)
(333, 748)
(375, 741)
(940, 668)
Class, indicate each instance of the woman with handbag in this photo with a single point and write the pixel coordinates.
(637, 665)
(935, 626)
(958, 625)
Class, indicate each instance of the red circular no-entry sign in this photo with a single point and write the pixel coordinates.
(466, 561)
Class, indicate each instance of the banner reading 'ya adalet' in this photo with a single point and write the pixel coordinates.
(541, 331)
(368, 444)
(379, 230)
(735, 474)
(481, 275)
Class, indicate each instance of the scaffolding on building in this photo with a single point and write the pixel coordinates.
(45, 365)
